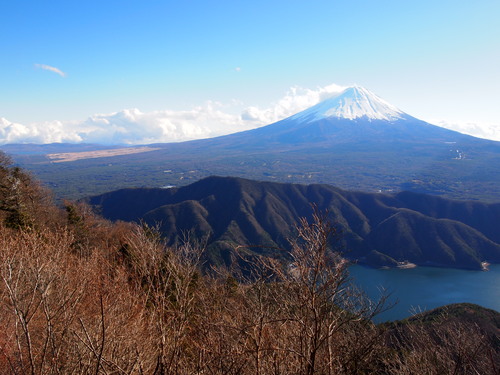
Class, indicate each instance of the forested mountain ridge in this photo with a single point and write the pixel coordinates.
(378, 229)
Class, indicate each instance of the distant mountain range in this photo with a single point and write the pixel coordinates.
(377, 229)
(354, 140)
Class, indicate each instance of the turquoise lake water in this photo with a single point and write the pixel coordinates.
(424, 288)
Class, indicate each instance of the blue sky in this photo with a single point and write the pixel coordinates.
(63, 62)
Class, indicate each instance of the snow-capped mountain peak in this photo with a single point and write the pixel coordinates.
(354, 102)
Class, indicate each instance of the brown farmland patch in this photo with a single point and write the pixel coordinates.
(73, 156)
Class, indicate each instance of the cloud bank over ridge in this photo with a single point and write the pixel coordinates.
(131, 126)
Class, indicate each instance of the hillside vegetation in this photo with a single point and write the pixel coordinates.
(81, 295)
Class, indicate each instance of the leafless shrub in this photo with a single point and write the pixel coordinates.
(444, 346)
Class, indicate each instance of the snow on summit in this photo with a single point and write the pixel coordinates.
(354, 102)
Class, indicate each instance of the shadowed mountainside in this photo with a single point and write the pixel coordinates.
(377, 229)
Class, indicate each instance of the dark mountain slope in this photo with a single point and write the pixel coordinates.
(413, 236)
(481, 216)
(138, 202)
(378, 229)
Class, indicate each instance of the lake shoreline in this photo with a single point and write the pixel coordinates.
(424, 288)
(485, 266)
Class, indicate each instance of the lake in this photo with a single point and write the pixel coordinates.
(424, 288)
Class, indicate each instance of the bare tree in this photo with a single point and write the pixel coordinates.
(443, 345)
(170, 280)
(319, 304)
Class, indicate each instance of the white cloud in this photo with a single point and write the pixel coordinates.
(45, 132)
(51, 69)
(295, 100)
(129, 126)
(486, 130)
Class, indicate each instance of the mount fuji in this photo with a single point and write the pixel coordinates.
(355, 116)
(354, 140)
